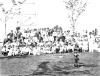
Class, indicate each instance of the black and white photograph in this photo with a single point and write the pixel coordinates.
(49, 38)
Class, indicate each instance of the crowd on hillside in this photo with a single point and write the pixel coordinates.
(40, 41)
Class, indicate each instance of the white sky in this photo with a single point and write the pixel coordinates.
(50, 13)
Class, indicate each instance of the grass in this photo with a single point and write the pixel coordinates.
(51, 65)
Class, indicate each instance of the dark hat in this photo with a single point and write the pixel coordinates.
(17, 28)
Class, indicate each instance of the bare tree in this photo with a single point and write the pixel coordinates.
(76, 8)
(7, 14)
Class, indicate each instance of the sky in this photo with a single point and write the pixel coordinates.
(48, 13)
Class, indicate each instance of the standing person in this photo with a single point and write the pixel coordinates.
(18, 33)
(11, 36)
(76, 58)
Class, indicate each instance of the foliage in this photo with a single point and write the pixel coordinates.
(76, 7)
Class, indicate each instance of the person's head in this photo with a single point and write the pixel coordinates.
(11, 31)
(17, 28)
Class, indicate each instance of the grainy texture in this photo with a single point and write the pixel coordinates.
(51, 65)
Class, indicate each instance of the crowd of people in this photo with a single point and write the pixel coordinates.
(39, 41)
